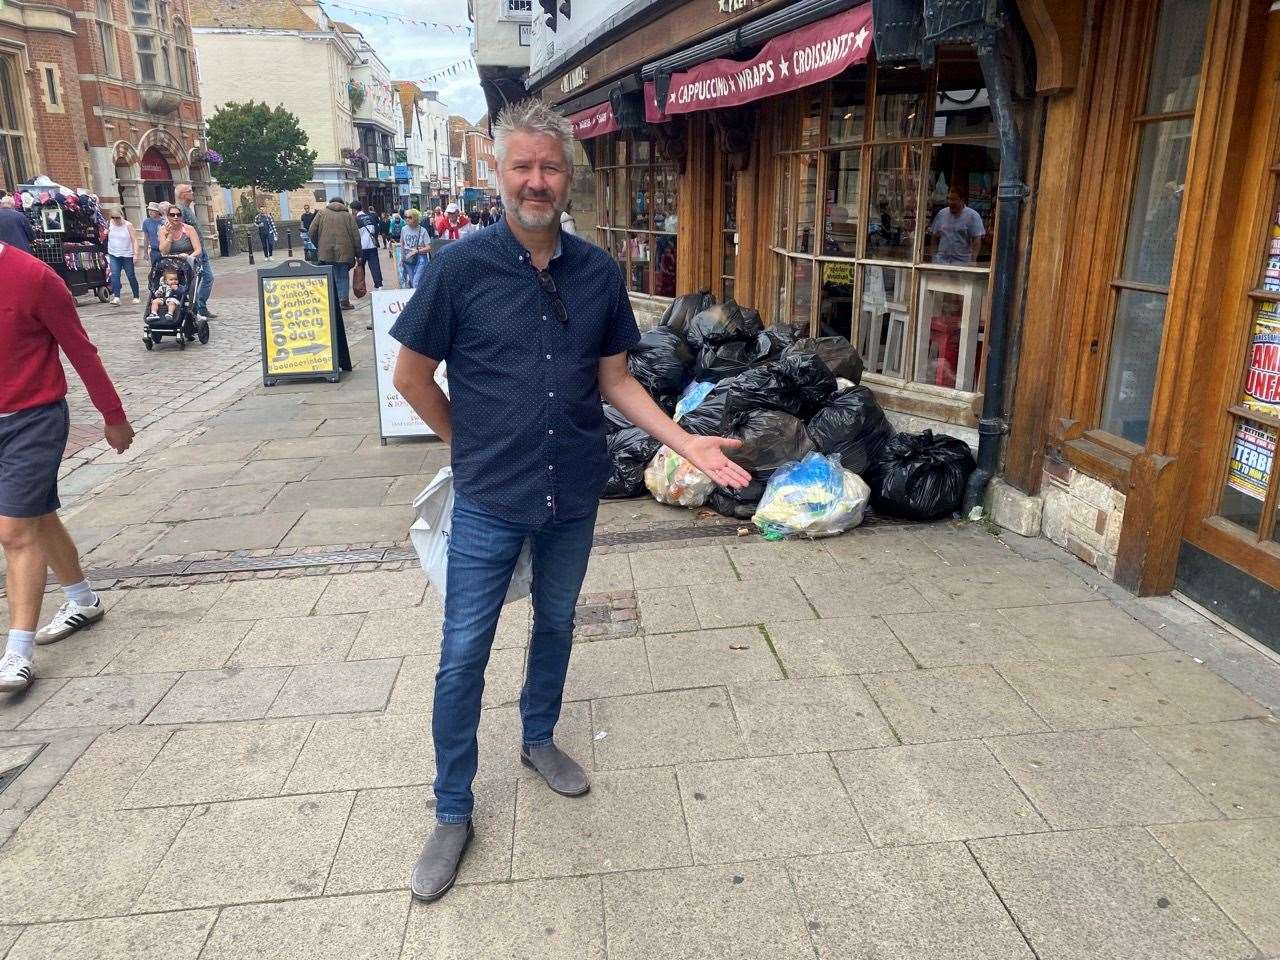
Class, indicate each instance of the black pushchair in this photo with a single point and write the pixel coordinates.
(178, 321)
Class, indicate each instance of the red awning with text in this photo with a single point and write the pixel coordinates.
(594, 122)
(788, 62)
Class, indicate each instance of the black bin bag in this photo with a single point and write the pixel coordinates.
(799, 385)
(707, 418)
(840, 356)
(684, 308)
(920, 476)
(614, 420)
(661, 361)
(722, 323)
(853, 427)
(739, 504)
(629, 451)
(769, 438)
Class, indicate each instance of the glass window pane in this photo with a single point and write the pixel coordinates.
(782, 219)
(847, 114)
(621, 198)
(962, 108)
(641, 190)
(728, 289)
(811, 117)
(1249, 463)
(640, 151)
(835, 308)
(664, 199)
(900, 103)
(882, 333)
(895, 178)
(840, 216)
(638, 251)
(729, 265)
(780, 301)
(664, 266)
(1175, 62)
(961, 202)
(801, 313)
(1157, 201)
(730, 200)
(949, 340)
(1131, 374)
(107, 38)
(806, 203)
(141, 10)
(104, 9)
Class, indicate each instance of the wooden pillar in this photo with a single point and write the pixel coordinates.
(694, 206)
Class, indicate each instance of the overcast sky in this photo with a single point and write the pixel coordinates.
(413, 52)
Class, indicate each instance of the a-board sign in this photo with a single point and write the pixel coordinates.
(297, 314)
(395, 417)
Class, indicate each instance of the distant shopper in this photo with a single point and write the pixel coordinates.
(368, 225)
(415, 250)
(122, 244)
(308, 248)
(567, 223)
(187, 204)
(179, 238)
(151, 229)
(15, 228)
(337, 241)
(39, 319)
(266, 232)
(957, 231)
(452, 223)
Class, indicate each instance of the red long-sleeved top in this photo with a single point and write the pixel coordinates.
(37, 316)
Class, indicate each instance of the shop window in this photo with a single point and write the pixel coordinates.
(1162, 128)
(107, 39)
(885, 310)
(638, 224)
(728, 250)
(895, 189)
(13, 162)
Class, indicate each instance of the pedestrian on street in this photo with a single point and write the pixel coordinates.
(266, 231)
(308, 248)
(15, 227)
(452, 223)
(179, 239)
(415, 250)
(368, 224)
(337, 242)
(186, 204)
(151, 228)
(122, 245)
(530, 352)
(40, 317)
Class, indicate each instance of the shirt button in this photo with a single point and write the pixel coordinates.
(551, 394)
(548, 356)
(544, 316)
(551, 433)
(550, 467)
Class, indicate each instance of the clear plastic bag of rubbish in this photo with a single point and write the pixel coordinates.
(815, 497)
(674, 480)
(430, 536)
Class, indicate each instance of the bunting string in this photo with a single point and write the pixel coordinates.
(452, 70)
(387, 16)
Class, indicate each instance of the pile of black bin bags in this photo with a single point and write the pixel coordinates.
(783, 397)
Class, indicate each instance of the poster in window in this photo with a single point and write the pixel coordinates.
(1262, 376)
(1252, 456)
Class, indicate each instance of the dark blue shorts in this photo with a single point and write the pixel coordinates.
(31, 447)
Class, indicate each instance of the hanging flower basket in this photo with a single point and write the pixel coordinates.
(211, 157)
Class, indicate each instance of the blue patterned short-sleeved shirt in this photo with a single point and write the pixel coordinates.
(528, 434)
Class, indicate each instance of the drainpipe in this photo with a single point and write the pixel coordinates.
(1012, 191)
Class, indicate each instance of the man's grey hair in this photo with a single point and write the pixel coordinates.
(533, 117)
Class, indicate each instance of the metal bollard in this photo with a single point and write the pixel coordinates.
(248, 239)
(288, 239)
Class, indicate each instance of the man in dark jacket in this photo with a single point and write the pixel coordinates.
(15, 228)
(337, 241)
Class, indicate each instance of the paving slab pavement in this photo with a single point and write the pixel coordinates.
(920, 742)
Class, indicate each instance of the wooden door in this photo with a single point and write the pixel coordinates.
(1229, 561)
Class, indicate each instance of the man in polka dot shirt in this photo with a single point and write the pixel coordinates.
(534, 326)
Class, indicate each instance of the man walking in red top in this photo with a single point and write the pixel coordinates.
(37, 316)
(450, 226)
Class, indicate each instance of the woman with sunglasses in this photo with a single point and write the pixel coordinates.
(177, 238)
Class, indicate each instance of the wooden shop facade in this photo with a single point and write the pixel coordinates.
(1052, 227)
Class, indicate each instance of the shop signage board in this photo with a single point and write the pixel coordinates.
(594, 122)
(395, 417)
(402, 172)
(297, 313)
(806, 56)
(1253, 453)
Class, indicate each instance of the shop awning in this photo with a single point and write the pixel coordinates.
(594, 121)
(807, 55)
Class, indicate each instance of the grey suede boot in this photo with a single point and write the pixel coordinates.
(437, 866)
(561, 771)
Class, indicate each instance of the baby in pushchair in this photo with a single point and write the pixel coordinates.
(169, 293)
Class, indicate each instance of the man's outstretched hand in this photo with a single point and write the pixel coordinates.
(119, 435)
(707, 454)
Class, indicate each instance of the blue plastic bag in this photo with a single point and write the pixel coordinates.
(814, 497)
(693, 395)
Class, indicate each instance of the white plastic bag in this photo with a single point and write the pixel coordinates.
(675, 481)
(430, 536)
(813, 497)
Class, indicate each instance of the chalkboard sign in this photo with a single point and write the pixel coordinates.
(298, 315)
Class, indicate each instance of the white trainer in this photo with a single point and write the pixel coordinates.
(15, 673)
(69, 618)
(115, 301)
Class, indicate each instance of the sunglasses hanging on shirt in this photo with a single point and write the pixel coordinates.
(548, 285)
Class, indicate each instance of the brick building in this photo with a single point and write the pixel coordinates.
(101, 94)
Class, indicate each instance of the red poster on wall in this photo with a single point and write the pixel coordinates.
(788, 62)
(155, 166)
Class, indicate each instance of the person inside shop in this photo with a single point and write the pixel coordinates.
(957, 231)
(453, 222)
(39, 319)
(266, 231)
(167, 295)
(122, 244)
(187, 207)
(415, 250)
(527, 448)
(151, 227)
(15, 226)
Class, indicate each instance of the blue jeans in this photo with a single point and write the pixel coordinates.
(206, 283)
(483, 550)
(268, 245)
(372, 264)
(411, 273)
(121, 265)
(341, 278)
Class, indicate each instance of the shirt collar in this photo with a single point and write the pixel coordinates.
(504, 231)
